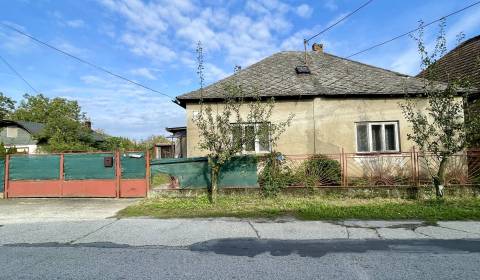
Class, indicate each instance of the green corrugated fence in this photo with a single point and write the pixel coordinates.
(88, 166)
(34, 167)
(2, 174)
(195, 173)
(133, 165)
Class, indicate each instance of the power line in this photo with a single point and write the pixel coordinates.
(18, 74)
(338, 21)
(82, 60)
(413, 30)
(402, 35)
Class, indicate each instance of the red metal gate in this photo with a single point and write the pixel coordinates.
(115, 187)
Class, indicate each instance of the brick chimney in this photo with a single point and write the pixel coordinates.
(317, 47)
(88, 124)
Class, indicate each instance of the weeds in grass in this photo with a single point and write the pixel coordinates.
(306, 208)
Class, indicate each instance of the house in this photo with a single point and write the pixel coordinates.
(463, 62)
(164, 150)
(339, 104)
(22, 135)
(177, 148)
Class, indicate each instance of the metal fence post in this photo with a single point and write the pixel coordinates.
(118, 173)
(412, 164)
(344, 168)
(417, 167)
(6, 178)
(147, 172)
(61, 169)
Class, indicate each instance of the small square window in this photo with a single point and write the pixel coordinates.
(377, 137)
(12, 132)
(252, 137)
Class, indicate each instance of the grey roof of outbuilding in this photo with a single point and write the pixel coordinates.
(35, 127)
(330, 76)
(31, 127)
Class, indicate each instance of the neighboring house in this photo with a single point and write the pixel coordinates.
(463, 62)
(164, 150)
(338, 104)
(177, 148)
(20, 134)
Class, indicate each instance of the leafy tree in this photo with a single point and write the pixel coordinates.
(3, 151)
(7, 105)
(221, 133)
(63, 119)
(440, 130)
(112, 143)
(149, 143)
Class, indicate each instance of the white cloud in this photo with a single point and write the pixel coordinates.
(69, 48)
(330, 5)
(147, 46)
(408, 61)
(143, 72)
(214, 73)
(304, 11)
(110, 102)
(12, 41)
(169, 30)
(76, 23)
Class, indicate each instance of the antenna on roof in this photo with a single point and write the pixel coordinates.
(305, 42)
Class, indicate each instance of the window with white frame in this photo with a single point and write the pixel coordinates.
(254, 137)
(12, 132)
(373, 137)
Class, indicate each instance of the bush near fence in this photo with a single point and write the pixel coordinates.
(330, 170)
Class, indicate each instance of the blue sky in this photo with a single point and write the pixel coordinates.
(153, 42)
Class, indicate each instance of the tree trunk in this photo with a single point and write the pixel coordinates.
(213, 190)
(439, 179)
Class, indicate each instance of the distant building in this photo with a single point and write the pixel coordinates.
(177, 148)
(22, 135)
(462, 63)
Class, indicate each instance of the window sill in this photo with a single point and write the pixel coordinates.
(255, 153)
(377, 153)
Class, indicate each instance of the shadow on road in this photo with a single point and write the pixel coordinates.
(250, 247)
(319, 248)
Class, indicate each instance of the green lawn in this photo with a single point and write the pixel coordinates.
(306, 208)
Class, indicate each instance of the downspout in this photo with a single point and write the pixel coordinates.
(314, 128)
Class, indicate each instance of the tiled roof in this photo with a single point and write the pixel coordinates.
(330, 76)
(461, 62)
(31, 127)
(35, 127)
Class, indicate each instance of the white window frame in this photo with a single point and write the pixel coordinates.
(369, 136)
(257, 140)
(12, 132)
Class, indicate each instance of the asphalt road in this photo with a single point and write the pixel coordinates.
(246, 259)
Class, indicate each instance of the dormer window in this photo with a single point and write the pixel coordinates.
(302, 69)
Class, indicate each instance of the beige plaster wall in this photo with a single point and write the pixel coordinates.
(297, 139)
(322, 125)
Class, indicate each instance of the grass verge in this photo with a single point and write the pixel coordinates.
(306, 208)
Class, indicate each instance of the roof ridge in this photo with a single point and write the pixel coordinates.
(368, 65)
(275, 75)
(242, 70)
